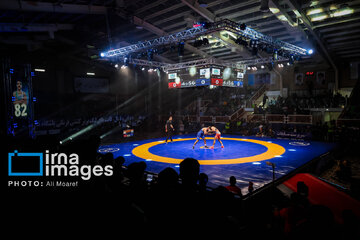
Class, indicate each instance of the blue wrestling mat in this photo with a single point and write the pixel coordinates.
(242, 157)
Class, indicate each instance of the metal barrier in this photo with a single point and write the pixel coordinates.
(280, 118)
(275, 118)
(304, 119)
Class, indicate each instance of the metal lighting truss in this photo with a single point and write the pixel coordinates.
(176, 37)
(255, 61)
(191, 33)
(146, 63)
(249, 33)
(207, 61)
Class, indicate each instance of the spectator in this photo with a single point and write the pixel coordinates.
(189, 173)
(251, 187)
(203, 180)
(233, 188)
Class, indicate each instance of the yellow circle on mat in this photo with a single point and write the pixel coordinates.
(273, 150)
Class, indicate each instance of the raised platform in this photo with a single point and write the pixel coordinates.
(242, 157)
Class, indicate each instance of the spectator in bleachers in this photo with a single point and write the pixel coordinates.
(203, 180)
(233, 188)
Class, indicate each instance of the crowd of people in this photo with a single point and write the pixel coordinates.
(183, 199)
(295, 104)
(219, 101)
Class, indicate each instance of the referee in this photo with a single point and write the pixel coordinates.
(169, 129)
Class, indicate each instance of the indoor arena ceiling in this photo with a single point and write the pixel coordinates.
(83, 28)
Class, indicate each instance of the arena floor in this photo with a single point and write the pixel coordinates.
(242, 157)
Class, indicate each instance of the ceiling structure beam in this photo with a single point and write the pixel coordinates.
(50, 7)
(151, 28)
(149, 6)
(308, 24)
(20, 27)
(194, 5)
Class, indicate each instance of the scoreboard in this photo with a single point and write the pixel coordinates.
(205, 75)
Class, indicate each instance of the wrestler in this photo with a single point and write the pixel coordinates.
(217, 136)
(201, 134)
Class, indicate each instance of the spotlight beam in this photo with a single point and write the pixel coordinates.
(124, 104)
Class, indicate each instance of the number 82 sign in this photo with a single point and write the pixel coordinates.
(20, 110)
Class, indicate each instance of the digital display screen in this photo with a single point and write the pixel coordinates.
(20, 96)
(206, 75)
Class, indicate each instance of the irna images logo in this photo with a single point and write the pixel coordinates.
(53, 164)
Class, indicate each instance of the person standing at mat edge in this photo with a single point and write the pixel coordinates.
(169, 129)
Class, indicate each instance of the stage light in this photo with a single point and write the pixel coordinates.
(262, 66)
(143, 68)
(90, 74)
(181, 46)
(243, 26)
(248, 68)
(310, 51)
(126, 61)
(291, 59)
(241, 41)
(205, 41)
(202, 3)
(116, 65)
(39, 70)
(198, 43)
(102, 54)
(150, 55)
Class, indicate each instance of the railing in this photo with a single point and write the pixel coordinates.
(238, 114)
(306, 119)
(280, 118)
(257, 94)
(348, 122)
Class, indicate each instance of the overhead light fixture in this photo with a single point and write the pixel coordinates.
(319, 17)
(102, 54)
(333, 7)
(39, 70)
(310, 51)
(344, 10)
(262, 66)
(274, 10)
(90, 74)
(116, 65)
(314, 11)
(143, 68)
